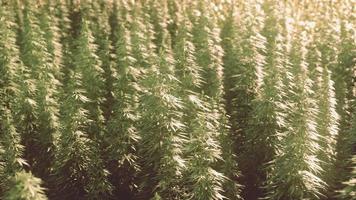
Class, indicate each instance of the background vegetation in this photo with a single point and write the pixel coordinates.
(177, 99)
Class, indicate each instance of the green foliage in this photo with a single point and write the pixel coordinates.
(160, 126)
(348, 190)
(78, 164)
(157, 11)
(208, 51)
(92, 78)
(101, 32)
(41, 101)
(123, 135)
(25, 186)
(11, 148)
(198, 120)
(296, 163)
(344, 86)
(78, 157)
(267, 115)
(177, 99)
(239, 83)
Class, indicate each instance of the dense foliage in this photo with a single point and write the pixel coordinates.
(177, 99)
